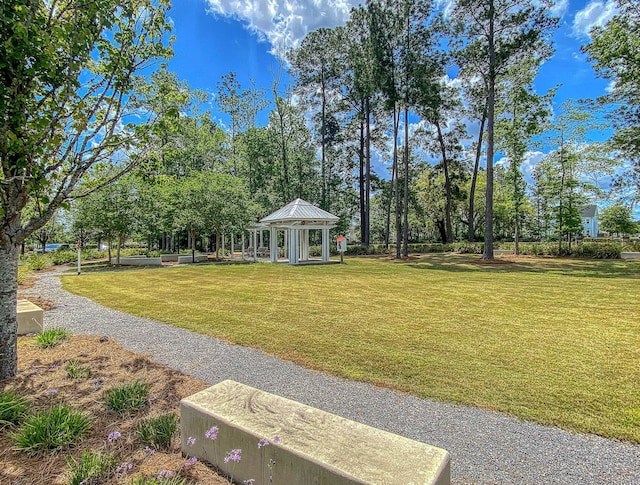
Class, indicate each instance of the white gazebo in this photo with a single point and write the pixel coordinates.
(296, 219)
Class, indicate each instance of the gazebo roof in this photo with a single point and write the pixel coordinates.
(299, 210)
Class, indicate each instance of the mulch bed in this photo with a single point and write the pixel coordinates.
(42, 370)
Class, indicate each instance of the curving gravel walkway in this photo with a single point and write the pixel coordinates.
(486, 447)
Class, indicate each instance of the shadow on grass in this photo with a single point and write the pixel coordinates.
(512, 264)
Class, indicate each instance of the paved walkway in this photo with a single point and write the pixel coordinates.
(486, 447)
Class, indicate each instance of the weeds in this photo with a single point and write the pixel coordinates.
(132, 396)
(51, 337)
(76, 371)
(158, 432)
(93, 467)
(53, 428)
(12, 408)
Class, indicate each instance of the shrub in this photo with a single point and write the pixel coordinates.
(51, 337)
(127, 397)
(63, 256)
(93, 467)
(51, 429)
(24, 274)
(76, 371)
(12, 408)
(158, 432)
(35, 261)
(608, 250)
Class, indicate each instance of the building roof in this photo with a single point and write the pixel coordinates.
(589, 210)
(299, 210)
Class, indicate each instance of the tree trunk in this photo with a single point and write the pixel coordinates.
(447, 186)
(361, 176)
(396, 122)
(405, 202)
(9, 254)
(488, 218)
(120, 242)
(192, 235)
(472, 192)
(367, 176)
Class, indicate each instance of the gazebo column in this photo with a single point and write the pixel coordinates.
(304, 245)
(255, 245)
(273, 239)
(233, 236)
(325, 244)
(242, 257)
(287, 239)
(293, 246)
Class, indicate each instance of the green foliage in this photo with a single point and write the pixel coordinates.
(12, 408)
(51, 429)
(609, 250)
(76, 371)
(127, 397)
(158, 432)
(24, 275)
(35, 261)
(618, 219)
(63, 256)
(51, 337)
(93, 467)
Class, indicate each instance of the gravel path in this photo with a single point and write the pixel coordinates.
(485, 447)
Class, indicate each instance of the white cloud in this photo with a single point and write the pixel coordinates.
(284, 23)
(559, 8)
(595, 14)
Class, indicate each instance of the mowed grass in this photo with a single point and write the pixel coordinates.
(553, 341)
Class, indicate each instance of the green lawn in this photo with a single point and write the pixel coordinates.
(554, 341)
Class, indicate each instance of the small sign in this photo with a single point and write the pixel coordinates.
(342, 244)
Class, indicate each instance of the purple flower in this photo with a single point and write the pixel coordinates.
(263, 442)
(165, 474)
(151, 399)
(123, 468)
(151, 451)
(212, 433)
(191, 440)
(54, 367)
(276, 439)
(51, 392)
(233, 455)
(114, 435)
(191, 461)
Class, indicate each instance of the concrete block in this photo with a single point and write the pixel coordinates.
(315, 447)
(166, 258)
(137, 261)
(29, 317)
(187, 258)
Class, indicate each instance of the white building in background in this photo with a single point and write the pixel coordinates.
(589, 214)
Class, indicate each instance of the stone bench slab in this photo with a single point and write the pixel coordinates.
(187, 258)
(315, 447)
(29, 317)
(137, 261)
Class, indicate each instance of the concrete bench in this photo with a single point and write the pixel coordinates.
(315, 447)
(167, 258)
(137, 261)
(186, 258)
(29, 317)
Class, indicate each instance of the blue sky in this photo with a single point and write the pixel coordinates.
(214, 37)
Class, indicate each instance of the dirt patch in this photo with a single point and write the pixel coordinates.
(36, 300)
(43, 380)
